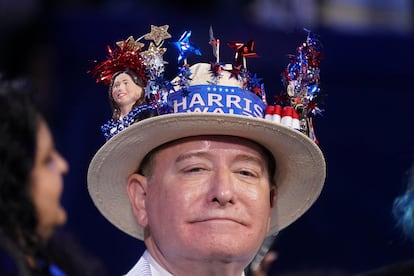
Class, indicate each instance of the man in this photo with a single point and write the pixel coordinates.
(215, 195)
(205, 184)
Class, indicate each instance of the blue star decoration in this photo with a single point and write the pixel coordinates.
(255, 81)
(185, 47)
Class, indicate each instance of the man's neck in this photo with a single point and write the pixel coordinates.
(211, 268)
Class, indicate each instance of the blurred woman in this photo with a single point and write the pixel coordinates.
(31, 185)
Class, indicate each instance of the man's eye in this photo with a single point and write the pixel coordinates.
(247, 173)
(194, 170)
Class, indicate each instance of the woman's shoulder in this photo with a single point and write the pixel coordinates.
(69, 254)
(11, 258)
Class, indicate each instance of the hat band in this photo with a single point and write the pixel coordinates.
(216, 99)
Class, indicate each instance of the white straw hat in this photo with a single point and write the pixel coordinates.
(300, 165)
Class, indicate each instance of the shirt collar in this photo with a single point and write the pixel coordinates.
(156, 269)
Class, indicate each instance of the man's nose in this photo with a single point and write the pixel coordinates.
(222, 187)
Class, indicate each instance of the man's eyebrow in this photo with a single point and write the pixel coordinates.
(251, 158)
(191, 154)
(239, 157)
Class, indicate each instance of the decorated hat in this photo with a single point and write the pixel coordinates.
(221, 99)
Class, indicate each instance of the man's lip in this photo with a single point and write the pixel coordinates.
(218, 219)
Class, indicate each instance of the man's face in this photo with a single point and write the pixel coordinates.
(208, 198)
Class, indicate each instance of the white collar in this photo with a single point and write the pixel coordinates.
(156, 269)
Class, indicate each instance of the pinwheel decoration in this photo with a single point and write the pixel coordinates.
(186, 47)
(243, 51)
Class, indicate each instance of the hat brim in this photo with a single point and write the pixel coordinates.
(300, 164)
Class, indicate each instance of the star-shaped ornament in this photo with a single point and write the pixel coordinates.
(130, 44)
(158, 34)
(255, 81)
(216, 68)
(235, 72)
(153, 51)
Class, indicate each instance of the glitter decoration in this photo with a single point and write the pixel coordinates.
(125, 56)
(301, 80)
(295, 107)
(112, 127)
(148, 64)
(158, 34)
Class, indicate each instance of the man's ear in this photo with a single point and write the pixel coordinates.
(137, 193)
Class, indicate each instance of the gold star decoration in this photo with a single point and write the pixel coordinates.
(153, 51)
(158, 34)
(130, 44)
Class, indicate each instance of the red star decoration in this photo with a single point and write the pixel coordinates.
(216, 68)
(235, 72)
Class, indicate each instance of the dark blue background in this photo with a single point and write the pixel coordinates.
(365, 131)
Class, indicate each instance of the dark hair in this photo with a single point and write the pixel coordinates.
(19, 120)
(116, 113)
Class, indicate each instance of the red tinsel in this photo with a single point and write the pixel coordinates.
(125, 56)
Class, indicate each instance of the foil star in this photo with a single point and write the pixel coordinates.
(158, 34)
(255, 81)
(130, 44)
(216, 68)
(257, 90)
(235, 72)
(153, 51)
